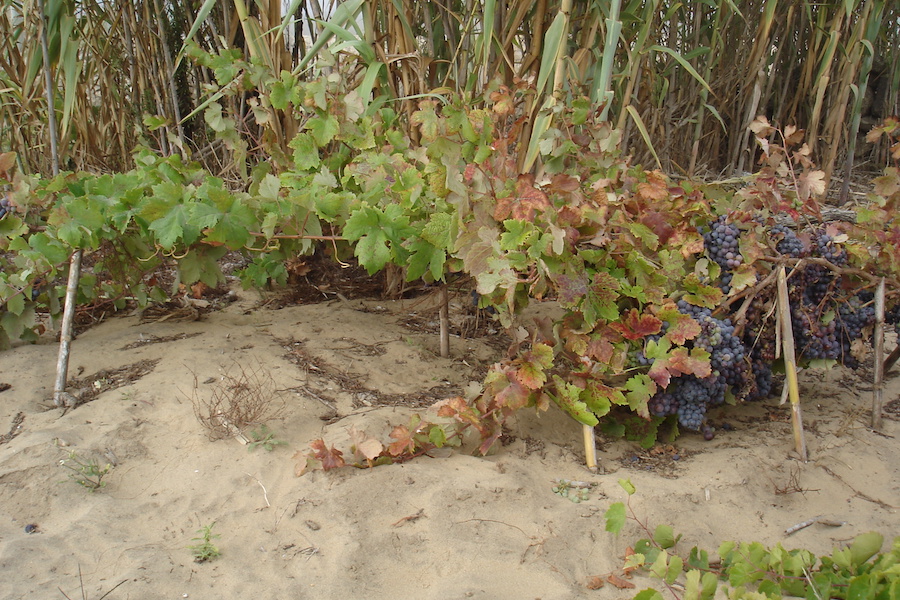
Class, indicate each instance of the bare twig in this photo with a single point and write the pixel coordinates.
(410, 518)
(265, 493)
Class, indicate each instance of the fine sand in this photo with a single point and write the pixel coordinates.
(444, 527)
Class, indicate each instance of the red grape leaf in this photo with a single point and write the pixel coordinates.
(7, 162)
(331, 459)
(515, 395)
(526, 202)
(680, 361)
(620, 583)
(888, 184)
(606, 287)
(451, 407)
(594, 583)
(363, 445)
(655, 188)
(695, 362)
(562, 183)
(571, 289)
(681, 326)
(635, 326)
(531, 376)
(657, 223)
(600, 350)
(403, 441)
(503, 101)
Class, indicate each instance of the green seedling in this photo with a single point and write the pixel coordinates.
(205, 550)
(86, 472)
(263, 437)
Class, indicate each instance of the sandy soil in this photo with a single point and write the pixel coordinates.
(451, 526)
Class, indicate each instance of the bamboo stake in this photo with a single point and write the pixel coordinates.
(65, 334)
(444, 317)
(790, 363)
(590, 448)
(878, 391)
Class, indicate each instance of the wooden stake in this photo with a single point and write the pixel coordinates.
(590, 448)
(65, 333)
(878, 387)
(68, 321)
(445, 322)
(790, 363)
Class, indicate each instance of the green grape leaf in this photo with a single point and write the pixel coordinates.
(15, 303)
(865, 546)
(438, 231)
(664, 536)
(615, 517)
(640, 388)
(567, 396)
(12, 226)
(660, 566)
(306, 153)
(437, 436)
(708, 584)
(323, 129)
(425, 258)
(516, 234)
(648, 594)
(373, 252)
(173, 226)
(201, 265)
(427, 120)
(674, 570)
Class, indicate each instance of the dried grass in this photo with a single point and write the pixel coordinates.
(247, 398)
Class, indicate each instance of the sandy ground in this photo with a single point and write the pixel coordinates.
(453, 526)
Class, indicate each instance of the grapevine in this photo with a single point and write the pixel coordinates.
(667, 287)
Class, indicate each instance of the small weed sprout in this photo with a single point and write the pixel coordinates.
(238, 401)
(86, 472)
(205, 550)
(265, 437)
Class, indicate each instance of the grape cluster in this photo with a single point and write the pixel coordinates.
(6, 206)
(663, 404)
(694, 396)
(788, 243)
(689, 396)
(826, 323)
(761, 387)
(827, 249)
(722, 242)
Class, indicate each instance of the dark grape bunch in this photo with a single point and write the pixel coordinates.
(688, 396)
(6, 206)
(722, 244)
(827, 249)
(826, 320)
(788, 243)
